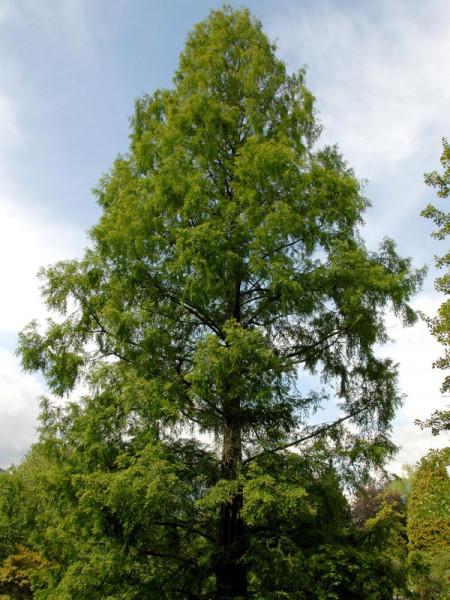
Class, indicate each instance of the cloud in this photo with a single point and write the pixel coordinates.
(378, 73)
(414, 444)
(60, 19)
(19, 395)
(28, 240)
(415, 350)
(5, 10)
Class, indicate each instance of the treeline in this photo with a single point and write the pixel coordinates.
(68, 530)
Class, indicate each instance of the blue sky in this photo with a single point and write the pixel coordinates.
(69, 73)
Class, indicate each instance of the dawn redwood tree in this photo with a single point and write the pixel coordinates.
(227, 263)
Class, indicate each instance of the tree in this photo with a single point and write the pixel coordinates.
(428, 522)
(429, 525)
(98, 533)
(402, 484)
(14, 574)
(369, 499)
(440, 325)
(227, 262)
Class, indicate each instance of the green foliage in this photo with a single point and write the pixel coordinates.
(439, 421)
(226, 264)
(440, 325)
(353, 573)
(402, 485)
(136, 528)
(327, 558)
(429, 574)
(16, 573)
(379, 514)
(429, 526)
(442, 183)
(429, 507)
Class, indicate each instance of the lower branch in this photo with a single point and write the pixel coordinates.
(316, 433)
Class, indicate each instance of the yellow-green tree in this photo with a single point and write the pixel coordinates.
(16, 573)
(227, 264)
(429, 525)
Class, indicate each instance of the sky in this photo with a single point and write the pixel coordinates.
(70, 71)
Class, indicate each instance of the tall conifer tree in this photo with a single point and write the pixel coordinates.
(226, 264)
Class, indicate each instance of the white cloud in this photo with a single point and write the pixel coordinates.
(28, 240)
(60, 19)
(414, 444)
(379, 74)
(415, 350)
(5, 10)
(19, 395)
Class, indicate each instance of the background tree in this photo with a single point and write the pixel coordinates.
(99, 537)
(402, 484)
(440, 325)
(26, 496)
(227, 262)
(378, 512)
(429, 526)
(15, 574)
(369, 499)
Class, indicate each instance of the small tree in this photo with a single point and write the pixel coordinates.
(440, 325)
(226, 264)
(15, 574)
(429, 526)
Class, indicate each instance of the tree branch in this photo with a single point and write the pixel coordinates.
(305, 349)
(282, 247)
(261, 308)
(194, 310)
(186, 528)
(319, 431)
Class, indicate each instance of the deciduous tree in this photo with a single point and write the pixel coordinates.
(226, 264)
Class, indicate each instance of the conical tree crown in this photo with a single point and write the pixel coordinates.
(226, 265)
(227, 257)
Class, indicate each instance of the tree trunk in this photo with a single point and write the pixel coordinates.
(231, 576)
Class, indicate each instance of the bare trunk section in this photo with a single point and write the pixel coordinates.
(231, 577)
